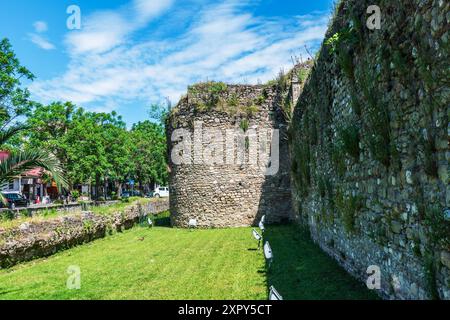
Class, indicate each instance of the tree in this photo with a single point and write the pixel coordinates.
(49, 125)
(14, 100)
(88, 160)
(149, 153)
(117, 146)
(94, 147)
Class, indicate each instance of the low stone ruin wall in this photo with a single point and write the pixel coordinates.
(35, 211)
(41, 239)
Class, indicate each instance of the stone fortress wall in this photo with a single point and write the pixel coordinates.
(370, 146)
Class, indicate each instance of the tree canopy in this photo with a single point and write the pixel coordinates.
(93, 148)
(97, 148)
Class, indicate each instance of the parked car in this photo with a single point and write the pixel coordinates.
(161, 192)
(14, 200)
(131, 193)
(135, 193)
(150, 194)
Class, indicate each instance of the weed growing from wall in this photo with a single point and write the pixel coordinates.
(349, 207)
(301, 168)
(378, 120)
(350, 139)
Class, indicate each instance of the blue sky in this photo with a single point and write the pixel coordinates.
(132, 53)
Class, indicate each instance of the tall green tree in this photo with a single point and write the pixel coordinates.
(15, 102)
(117, 144)
(49, 126)
(149, 153)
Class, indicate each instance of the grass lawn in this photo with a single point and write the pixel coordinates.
(165, 263)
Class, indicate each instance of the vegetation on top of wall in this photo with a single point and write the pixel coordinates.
(207, 95)
(212, 95)
(233, 100)
(344, 43)
(210, 87)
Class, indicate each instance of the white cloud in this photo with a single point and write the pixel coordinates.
(38, 38)
(41, 41)
(146, 9)
(110, 65)
(105, 30)
(40, 26)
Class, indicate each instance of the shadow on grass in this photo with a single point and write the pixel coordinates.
(302, 271)
(159, 220)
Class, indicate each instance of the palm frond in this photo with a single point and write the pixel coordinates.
(20, 162)
(8, 133)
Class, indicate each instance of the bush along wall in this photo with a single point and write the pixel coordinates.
(370, 146)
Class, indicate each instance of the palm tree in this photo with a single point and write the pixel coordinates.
(20, 162)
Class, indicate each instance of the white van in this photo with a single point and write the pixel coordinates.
(161, 192)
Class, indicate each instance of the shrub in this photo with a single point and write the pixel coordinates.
(233, 100)
(75, 194)
(260, 100)
(7, 215)
(251, 109)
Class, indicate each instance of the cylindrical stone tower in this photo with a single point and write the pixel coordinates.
(228, 166)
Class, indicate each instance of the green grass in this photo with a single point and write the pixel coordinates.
(165, 263)
(302, 271)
